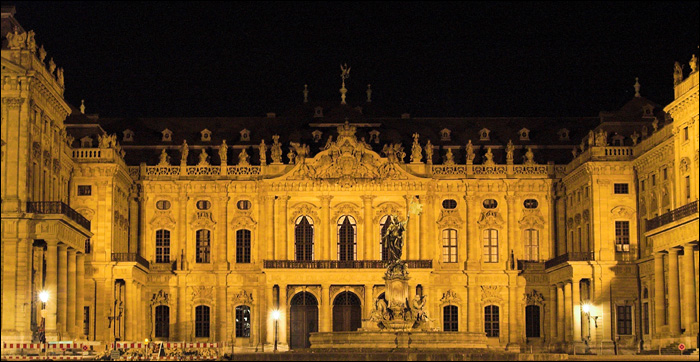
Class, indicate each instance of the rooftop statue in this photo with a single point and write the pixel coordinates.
(416, 150)
(449, 158)
(470, 152)
(276, 150)
(184, 151)
(164, 158)
(203, 158)
(489, 157)
(429, 152)
(243, 158)
(693, 64)
(223, 152)
(529, 157)
(677, 73)
(509, 151)
(263, 149)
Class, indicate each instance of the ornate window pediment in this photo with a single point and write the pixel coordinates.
(202, 294)
(243, 297)
(490, 219)
(88, 213)
(160, 298)
(347, 208)
(388, 208)
(450, 297)
(243, 221)
(531, 219)
(491, 293)
(85, 142)
(534, 298)
(162, 219)
(622, 211)
(450, 219)
(304, 208)
(563, 134)
(374, 136)
(202, 219)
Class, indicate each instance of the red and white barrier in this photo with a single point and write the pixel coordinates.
(127, 345)
(31, 358)
(22, 345)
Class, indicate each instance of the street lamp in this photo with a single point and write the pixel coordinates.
(276, 317)
(44, 298)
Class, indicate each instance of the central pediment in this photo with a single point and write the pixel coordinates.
(348, 161)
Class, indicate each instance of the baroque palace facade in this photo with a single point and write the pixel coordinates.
(553, 233)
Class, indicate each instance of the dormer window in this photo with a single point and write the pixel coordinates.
(318, 112)
(374, 136)
(317, 135)
(245, 135)
(86, 142)
(128, 136)
(445, 135)
(167, 135)
(206, 135)
(618, 140)
(563, 134)
(484, 134)
(524, 134)
(648, 111)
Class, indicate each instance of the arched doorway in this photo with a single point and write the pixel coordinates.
(347, 312)
(303, 319)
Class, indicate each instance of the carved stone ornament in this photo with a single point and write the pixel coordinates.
(570, 223)
(685, 165)
(36, 149)
(450, 297)
(622, 211)
(203, 219)
(160, 298)
(388, 208)
(490, 219)
(577, 219)
(534, 298)
(304, 208)
(449, 219)
(243, 221)
(202, 294)
(586, 215)
(491, 293)
(243, 298)
(86, 212)
(358, 290)
(531, 219)
(347, 208)
(162, 219)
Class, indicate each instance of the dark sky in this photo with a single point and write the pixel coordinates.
(429, 59)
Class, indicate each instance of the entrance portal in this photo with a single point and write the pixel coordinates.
(347, 313)
(303, 319)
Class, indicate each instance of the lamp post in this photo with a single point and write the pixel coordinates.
(276, 317)
(44, 298)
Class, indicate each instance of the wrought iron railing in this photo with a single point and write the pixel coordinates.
(57, 207)
(573, 256)
(342, 264)
(673, 215)
(130, 257)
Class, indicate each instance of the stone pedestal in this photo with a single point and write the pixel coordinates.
(419, 340)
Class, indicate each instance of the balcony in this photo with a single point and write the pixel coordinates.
(130, 257)
(342, 264)
(57, 207)
(673, 215)
(574, 256)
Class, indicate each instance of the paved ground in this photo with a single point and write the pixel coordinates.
(633, 358)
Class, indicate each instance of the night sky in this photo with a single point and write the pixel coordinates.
(189, 59)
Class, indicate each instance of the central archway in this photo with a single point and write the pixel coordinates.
(303, 319)
(347, 312)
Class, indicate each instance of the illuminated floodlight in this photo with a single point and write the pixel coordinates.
(275, 314)
(44, 296)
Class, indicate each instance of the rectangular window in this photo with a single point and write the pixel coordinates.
(450, 319)
(532, 245)
(449, 246)
(162, 246)
(242, 321)
(622, 236)
(203, 246)
(624, 320)
(490, 246)
(641, 185)
(84, 190)
(86, 321)
(686, 135)
(585, 192)
(491, 321)
(201, 323)
(665, 173)
(653, 180)
(243, 246)
(645, 317)
(622, 189)
(687, 188)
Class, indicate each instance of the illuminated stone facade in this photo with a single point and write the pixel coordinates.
(186, 233)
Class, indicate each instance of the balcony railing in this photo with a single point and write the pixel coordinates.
(57, 207)
(573, 256)
(130, 257)
(530, 265)
(342, 264)
(673, 215)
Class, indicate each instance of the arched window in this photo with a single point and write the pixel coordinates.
(243, 246)
(532, 245)
(243, 321)
(491, 321)
(304, 238)
(162, 321)
(532, 321)
(384, 223)
(450, 318)
(162, 246)
(490, 246)
(203, 245)
(347, 238)
(201, 321)
(449, 246)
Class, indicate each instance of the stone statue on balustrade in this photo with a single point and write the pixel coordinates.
(164, 159)
(601, 138)
(677, 73)
(292, 156)
(223, 153)
(509, 151)
(184, 152)
(470, 152)
(203, 158)
(263, 150)
(449, 158)
(276, 150)
(243, 158)
(429, 153)
(416, 150)
(693, 64)
(529, 157)
(488, 158)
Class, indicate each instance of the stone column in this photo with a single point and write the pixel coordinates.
(284, 317)
(70, 306)
(80, 295)
(182, 308)
(427, 228)
(576, 302)
(561, 336)
(287, 245)
(330, 252)
(62, 293)
(473, 313)
(659, 293)
(369, 302)
(674, 296)
(568, 311)
(689, 308)
(280, 250)
(221, 309)
(325, 325)
(553, 317)
(368, 242)
(130, 310)
(269, 227)
(9, 286)
(510, 243)
(411, 248)
(267, 315)
(52, 288)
